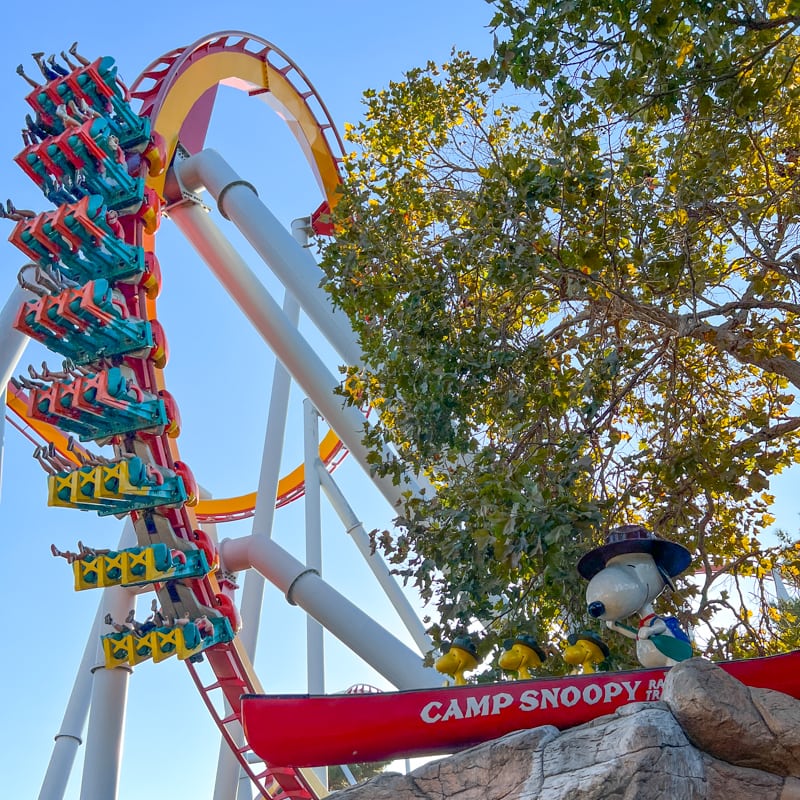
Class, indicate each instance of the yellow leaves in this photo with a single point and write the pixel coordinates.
(787, 349)
(598, 292)
(673, 181)
(685, 52)
(681, 216)
(354, 386)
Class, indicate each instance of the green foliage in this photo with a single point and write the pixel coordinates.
(361, 772)
(580, 308)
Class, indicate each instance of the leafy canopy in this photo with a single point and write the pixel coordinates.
(574, 271)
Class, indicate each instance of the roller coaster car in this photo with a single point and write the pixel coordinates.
(138, 566)
(89, 159)
(99, 87)
(98, 406)
(99, 251)
(116, 488)
(86, 324)
(184, 641)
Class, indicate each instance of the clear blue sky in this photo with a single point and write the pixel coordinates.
(219, 372)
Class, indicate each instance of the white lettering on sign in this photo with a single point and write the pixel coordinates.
(500, 701)
(592, 694)
(427, 714)
(631, 689)
(566, 696)
(453, 711)
(570, 695)
(654, 687)
(612, 690)
(478, 708)
(550, 698)
(529, 700)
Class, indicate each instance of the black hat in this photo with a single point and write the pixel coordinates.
(528, 641)
(671, 558)
(589, 637)
(464, 643)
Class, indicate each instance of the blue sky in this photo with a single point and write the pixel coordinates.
(219, 372)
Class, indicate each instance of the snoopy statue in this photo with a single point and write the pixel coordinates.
(626, 575)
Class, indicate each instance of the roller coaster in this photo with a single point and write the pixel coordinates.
(114, 160)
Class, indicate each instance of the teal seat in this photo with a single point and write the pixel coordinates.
(191, 635)
(162, 558)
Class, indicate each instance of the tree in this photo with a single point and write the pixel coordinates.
(574, 270)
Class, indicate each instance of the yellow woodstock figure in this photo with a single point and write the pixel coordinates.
(520, 655)
(458, 658)
(586, 650)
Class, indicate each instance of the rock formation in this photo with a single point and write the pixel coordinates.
(708, 738)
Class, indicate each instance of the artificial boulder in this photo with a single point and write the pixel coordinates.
(749, 727)
(709, 738)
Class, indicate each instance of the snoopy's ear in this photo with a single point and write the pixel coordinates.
(666, 577)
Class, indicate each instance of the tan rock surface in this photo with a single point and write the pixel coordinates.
(721, 716)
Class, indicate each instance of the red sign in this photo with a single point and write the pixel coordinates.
(307, 730)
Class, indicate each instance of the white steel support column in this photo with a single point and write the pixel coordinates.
(294, 266)
(315, 640)
(12, 341)
(228, 769)
(104, 738)
(297, 355)
(391, 588)
(269, 477)
(348, 623)
(69, 736)
(315, 647)
(3, 411)
(12, 346)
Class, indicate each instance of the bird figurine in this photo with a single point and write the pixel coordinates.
(585, 650)
(520, 655)
(458, 657)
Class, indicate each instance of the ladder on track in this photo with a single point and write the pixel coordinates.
(234, 677)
